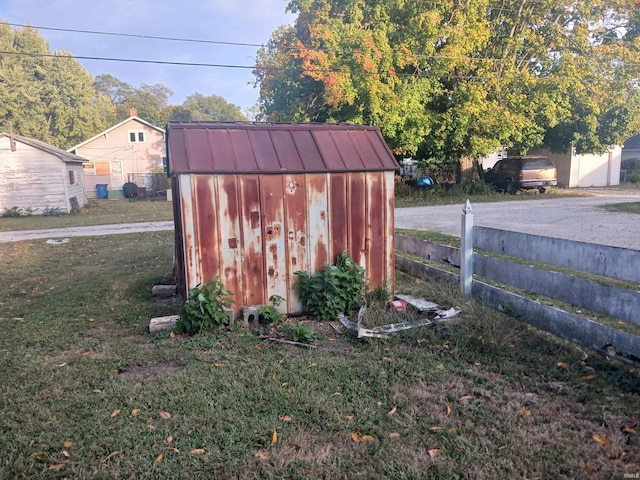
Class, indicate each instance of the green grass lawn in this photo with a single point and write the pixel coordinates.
(86, 392)
(96, 212)
(631, 207)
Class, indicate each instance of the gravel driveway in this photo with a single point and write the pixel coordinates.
(573, 218)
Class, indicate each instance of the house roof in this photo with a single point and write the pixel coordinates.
(213, 147)
(133, 118)
(45, 147)
(633, 143)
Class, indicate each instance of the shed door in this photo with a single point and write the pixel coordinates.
(273, 231)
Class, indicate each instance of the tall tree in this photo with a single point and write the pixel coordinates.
(447, 80)
(151, 101)
(46, 97)
(212, 108)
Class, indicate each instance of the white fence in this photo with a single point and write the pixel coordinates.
(503, 263)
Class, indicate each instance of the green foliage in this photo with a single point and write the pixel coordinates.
(334, 289)
(213, 108)
(15, 212)
(459, 79)
(204, 308)
(633, 177)
(48, 97)
(300, 333)
(269, 313)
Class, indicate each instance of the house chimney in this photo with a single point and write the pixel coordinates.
(133, 112)
(12, 141)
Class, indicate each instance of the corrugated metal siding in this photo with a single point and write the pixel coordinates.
(257, 203)
(276, 148)
(256, 231)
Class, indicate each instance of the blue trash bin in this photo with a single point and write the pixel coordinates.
(101, 191)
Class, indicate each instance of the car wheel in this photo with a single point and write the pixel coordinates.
(542, 189)
(510, 188)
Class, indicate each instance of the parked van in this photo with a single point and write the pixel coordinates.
(522, 173)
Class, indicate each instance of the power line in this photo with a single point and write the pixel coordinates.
(134, 35)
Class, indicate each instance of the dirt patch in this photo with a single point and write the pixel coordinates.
(138, 371)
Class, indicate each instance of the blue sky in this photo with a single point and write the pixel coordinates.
(243, 21)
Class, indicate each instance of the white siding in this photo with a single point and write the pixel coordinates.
(32, 178)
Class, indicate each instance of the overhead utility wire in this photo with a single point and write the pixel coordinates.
(134, 35)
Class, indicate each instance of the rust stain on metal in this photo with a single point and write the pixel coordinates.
(263, 201)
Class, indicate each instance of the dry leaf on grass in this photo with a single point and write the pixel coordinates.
(466, 397)
(435, 429)
(65, 454)
(96, 390)
(159, 457)
(367, 438)
(628, 430)
(165, 415)
(524, 413)
(37, 454)
(394, 435)
(115, 413)
(57, 467)
(355, 437)
(588, 377)
(601, 439)
(285, 418)
(169, 439)
(392, 411)
(563, 366)
(448, 407)
(67, 444)
(435, 452)
(196, 451)
(261, 455)
(135, 412)
(111, 455)
(274, 437)
(218, 364)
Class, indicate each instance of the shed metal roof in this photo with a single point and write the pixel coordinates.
(212, 147)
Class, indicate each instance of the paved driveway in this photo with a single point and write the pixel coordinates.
(573, 218)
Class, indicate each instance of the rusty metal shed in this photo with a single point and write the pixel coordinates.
(254, 203)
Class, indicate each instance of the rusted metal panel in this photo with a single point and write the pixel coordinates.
(273, 231)
(295, 215)
(253, 277)
(189, 262)
(344, 142)
(309, 153)
(389, 222)
(288, 154)
(230, 236)
(375, 228)
(329, 151)
(206, 227)
(199, 152)
(339, 206)
(317, 214)
(262, 147)
(357, 218)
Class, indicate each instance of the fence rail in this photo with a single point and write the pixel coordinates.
(584, 293)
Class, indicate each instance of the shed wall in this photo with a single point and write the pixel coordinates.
(32, 178)
(256, 231)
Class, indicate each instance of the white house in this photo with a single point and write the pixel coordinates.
(38, 176)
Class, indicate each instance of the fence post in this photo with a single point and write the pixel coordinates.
(466, 251)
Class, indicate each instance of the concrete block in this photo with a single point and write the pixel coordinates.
(250, 314)
(162, 323)
(231, 314)
(164, 290)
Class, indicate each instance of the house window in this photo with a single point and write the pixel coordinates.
(136, 136)
(72, 177)
(89, 168)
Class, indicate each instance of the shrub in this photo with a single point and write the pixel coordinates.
(334, 289)
(204, 308)
(633, 177)
(300, 333)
